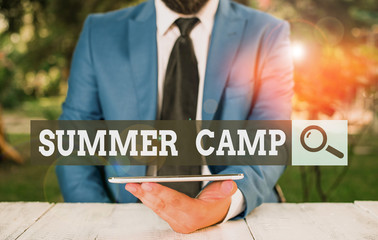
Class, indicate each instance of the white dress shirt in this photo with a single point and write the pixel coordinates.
(167, 34)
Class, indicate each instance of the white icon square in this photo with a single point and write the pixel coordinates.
(319, 142)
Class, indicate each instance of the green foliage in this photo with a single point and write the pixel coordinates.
(27, 182)
(334, 74)
(44, 107)
(359, 182)
(36, 44)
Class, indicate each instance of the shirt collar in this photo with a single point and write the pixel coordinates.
(165, 17)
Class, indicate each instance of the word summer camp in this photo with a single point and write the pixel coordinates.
(64, 141)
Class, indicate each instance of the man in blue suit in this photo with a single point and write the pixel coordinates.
(117, 73)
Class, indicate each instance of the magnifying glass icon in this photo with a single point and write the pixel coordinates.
(306, 133)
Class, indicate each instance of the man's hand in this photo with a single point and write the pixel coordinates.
(185, 214)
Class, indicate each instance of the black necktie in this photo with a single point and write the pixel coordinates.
(180, 98)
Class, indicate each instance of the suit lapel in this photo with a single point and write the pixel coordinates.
(225, 39)
(143, 58)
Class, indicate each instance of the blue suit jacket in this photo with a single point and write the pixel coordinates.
(114, 77)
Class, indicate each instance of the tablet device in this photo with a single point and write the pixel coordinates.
(177, 178)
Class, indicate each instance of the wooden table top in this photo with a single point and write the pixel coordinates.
(39, 220)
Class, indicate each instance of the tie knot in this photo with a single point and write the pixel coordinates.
(186, 25)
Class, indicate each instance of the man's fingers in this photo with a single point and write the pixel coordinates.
(158, 190)
(169, 204)
(158, 197)
(185, 214)
(218, 190)
(135, 189)
(150, 191)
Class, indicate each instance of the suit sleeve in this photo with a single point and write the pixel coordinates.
(273, 102)
(82, 183)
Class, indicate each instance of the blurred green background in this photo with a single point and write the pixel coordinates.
(334, 45)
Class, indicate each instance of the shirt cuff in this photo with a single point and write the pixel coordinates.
(237, 206)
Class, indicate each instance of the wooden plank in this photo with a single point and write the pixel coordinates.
(369, 206)
(282, 221)
(142, 223)
(70, 221)
(343, 220)
(119, 221)
(312, 221)
(16, 217)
